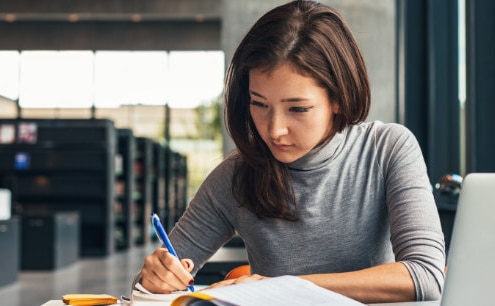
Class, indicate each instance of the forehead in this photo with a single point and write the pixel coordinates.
(285, 65)
(283, 77)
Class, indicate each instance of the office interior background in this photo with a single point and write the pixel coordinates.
(110, 110)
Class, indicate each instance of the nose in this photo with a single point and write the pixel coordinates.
(277, 126)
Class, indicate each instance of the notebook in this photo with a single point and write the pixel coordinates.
(282, 290)
(470, 278)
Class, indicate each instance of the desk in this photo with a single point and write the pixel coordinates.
(435, 303)
(430, 303)
(235, 255)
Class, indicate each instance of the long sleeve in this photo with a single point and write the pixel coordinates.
(416, 233)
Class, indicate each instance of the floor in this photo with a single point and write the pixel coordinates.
(112, 275)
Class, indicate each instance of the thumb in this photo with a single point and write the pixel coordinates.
(187, 264)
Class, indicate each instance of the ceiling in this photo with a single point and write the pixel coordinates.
(110, 24)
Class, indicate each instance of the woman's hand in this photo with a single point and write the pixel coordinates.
(162, 272)
(235, 281)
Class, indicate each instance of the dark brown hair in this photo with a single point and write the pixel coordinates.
(315, 40)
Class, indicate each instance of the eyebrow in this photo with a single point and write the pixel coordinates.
(295, 99)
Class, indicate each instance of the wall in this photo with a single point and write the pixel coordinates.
(8, 108)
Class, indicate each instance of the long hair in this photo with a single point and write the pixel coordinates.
(315, 40)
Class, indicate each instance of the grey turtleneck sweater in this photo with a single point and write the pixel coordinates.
(364, 200)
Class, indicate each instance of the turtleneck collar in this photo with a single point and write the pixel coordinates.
(320, 156)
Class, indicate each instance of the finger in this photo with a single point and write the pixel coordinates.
(157, 274)
(187, 264)
(155, 285)
(223, 283)
(176, 274)
(248, 278)
(154, 274)
(235, 281)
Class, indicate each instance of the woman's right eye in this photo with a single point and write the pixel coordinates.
(256, 103)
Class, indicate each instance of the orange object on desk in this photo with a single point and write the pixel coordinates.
(238, 272)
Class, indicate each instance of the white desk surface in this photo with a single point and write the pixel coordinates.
(434, 303)
(229, 255)
(430, 303)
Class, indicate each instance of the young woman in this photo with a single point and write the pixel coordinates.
(313, 190)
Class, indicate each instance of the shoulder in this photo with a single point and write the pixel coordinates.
(389, 130)
(380, 134)
(396, 146)
(390, 134)
(390, 141)
(378, 129)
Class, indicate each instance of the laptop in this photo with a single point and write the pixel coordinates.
(470, 278)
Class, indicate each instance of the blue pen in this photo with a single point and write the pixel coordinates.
(162, 235)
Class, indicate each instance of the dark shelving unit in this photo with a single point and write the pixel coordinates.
(143, 193)
(57, 165)
(124, 189)
(176, 173)
(158, 183)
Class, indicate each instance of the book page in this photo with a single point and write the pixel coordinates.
(138, 296)
(283, 290)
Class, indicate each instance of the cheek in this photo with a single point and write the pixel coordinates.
(257, 120)
(321, 126)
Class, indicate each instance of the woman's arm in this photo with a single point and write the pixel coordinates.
(415, 229)
(380, 284)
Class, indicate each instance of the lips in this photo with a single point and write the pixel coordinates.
(281, 146)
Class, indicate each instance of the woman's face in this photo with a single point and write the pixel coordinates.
(291, 112)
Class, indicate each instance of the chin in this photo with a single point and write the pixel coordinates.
(286, 159)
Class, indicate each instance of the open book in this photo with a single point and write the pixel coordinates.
(282, 290)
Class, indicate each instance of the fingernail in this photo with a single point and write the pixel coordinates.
(191, 282)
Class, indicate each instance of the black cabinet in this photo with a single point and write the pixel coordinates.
(49, 242)
(10, 246)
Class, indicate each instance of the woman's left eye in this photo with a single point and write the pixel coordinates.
(300, 109)
(256, 103)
